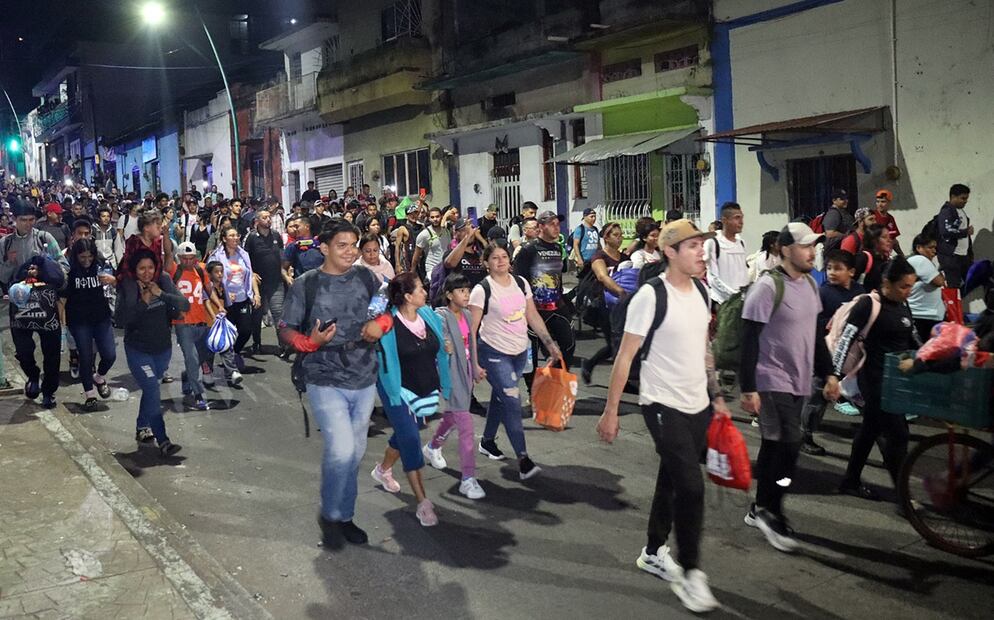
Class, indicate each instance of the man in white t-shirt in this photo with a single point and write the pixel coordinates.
(726, 256)
(432, 242)
(678, 393)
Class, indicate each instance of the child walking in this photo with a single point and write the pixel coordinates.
(215, 306)
(455, 319)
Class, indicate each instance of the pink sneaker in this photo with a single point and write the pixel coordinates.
(386, 479)
(426, 514)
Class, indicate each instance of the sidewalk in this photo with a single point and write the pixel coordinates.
(80, 538)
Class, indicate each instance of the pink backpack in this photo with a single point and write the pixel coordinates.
(837, 325)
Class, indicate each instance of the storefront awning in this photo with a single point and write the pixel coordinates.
(628, 144)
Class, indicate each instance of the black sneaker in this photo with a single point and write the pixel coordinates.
(335, 533)
(776, 531)
(477, 408)
(31, 390)
(586, 373)
(167, 378)
(91, 404)
(74, 364)
(353, 533)
(811, 448)
(145, 437)
(527, 468)
(168, 448)
(488, 447)
(48, 401)
(859, 490)
(750, 518)
(103, 389)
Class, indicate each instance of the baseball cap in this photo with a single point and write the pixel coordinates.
(460, 223)
(840, 193)
(799, 234)
(681, 230)
(20, 207)
(496, 232)
(547, 216)
(53, 207)
(588, 211)
(885, 193)
(186, 249)
(862, 213)
(491, 208)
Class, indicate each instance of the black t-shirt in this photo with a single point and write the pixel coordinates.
(266, 254)
(541, 263)
(417, 358)
(485, 224)
(892, 332)
(470, 265)
(85, 298)
(199, 237)
(311, 195)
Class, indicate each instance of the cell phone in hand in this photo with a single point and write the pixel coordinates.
(326, 324)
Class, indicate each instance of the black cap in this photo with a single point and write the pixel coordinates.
(840, 193)
(588, 211)
(19, 206)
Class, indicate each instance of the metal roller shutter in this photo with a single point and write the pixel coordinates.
(327, 178)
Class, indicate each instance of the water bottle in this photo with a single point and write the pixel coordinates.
(120, 394)
(529, 367)
(378, 304)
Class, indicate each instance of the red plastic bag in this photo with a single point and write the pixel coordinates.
(948, 340)
(954, 305)
(553, 397)
(728, 457)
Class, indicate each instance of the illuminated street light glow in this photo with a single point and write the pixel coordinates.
(153, 13)
(68, 182)
(55, 160)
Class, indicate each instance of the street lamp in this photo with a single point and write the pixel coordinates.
(154, 14)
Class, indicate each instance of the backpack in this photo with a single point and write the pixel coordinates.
(837, 325)
(727, 344)
(436, 281)
(485, 285)
(931, 227)
(817, 224)
(572, 237)
(717, 247)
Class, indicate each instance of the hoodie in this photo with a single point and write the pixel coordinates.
(460, 368)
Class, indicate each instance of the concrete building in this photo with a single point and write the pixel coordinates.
(311, 149)
(386, 48)
(208, 159)
(146, 161)
(854, 94)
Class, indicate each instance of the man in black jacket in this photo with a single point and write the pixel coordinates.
(954, 233)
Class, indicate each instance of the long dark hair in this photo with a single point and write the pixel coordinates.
(400, 286)
(80, 246)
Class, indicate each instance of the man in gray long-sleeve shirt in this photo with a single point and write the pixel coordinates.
(25, 242)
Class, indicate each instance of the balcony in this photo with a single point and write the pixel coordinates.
(286, 100)
(380, 79)
(52, 121)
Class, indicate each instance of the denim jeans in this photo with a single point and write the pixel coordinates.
(406, 437)
(193, 343)
(343, 417)
(503, 373)
(147, 369)
(90, 336)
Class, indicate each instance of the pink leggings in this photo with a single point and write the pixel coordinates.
(464, 423)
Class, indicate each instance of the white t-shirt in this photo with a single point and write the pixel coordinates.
(504, 326)
(729, 272)
(674, 374)
(641, 258)
(925, 300)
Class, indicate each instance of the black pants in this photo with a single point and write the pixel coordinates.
(889, 431)
(924, 328)
(954, 267)
(678, 502)
(51, 352)
(561, 330)
(600, 319)
(780, 429)
(240, 315)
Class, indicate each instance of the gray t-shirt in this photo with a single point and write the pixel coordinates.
(839, 220)
(433, 245)
(345, 299)
(787, 344)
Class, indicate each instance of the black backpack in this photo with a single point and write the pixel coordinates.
(651, 275)
(485, 285)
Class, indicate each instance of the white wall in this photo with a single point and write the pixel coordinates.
(836, 58)
(208, 131)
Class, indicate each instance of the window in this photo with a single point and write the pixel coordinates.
(238, 31)
(676, 59)
(627, 190)
(258, 177)
(356, 175)
(295, 66)
(401, 19)
(506, 184)
(294, 178)
(548, 167)
(810, 183)
(621, 70)
(683, 185)
(408, 172)
(579, 172)
(329, 51)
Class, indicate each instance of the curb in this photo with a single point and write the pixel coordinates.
(207, 588)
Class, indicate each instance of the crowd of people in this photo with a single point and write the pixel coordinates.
(393, 300)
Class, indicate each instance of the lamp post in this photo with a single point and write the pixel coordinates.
(154, 14)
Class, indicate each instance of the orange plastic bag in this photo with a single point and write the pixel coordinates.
(728, 457)
(553, 397)
(954, 305)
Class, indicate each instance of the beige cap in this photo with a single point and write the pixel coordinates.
(681, 230)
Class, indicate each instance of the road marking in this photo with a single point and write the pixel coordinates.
(195, 593)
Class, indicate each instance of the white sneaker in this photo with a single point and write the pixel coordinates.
(694, 592)
(661, 564)
(235, 378)
(434, 456)
(472, 489)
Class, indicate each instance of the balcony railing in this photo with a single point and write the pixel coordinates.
(52, 117)
(287, 98)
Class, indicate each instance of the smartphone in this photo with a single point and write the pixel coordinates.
(326, 324)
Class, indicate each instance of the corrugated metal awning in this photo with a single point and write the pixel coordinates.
(819, 123)
(627, 144)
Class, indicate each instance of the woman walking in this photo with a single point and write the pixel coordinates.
(648, 237)
(371, 256)
(603, 264)
(456, 319)
(927, 306)
(241, 293)
(413, 373)
(146, 305)
(502, 310)
(88, 316)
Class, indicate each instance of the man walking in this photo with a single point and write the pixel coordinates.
(884, 202)
(781, 351)
(311, 194)
(678, 394)
(265, 250)
(190, 277)
(53, 225)
(586, 239)
(432, 242)
(955, 236)
(726, 256)
(837, 221)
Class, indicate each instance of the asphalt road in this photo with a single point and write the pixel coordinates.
(562, 545)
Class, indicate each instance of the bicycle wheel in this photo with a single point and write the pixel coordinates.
(947, 490)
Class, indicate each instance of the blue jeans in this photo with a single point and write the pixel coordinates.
(503, 373)
(343, 417)
(406, 437)
(193, 343)
(147, 369)
(86, 336)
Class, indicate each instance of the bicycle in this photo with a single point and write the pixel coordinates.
(946, 484)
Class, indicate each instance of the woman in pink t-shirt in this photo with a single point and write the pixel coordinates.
(502, 311)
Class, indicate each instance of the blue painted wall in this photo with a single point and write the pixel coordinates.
(169, 163)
